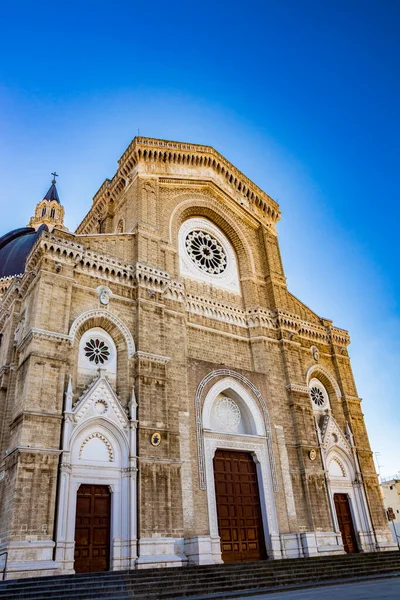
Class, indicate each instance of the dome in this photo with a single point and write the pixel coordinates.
(14, 249)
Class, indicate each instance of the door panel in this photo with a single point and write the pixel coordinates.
(238, 507)
(346, 525)
(92, 529)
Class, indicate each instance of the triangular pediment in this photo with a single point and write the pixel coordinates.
(332, 435)
(100, 400)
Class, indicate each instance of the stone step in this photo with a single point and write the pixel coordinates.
(368, 556)
(173, 582)
(180, 588)
(193, 592)
(251, 567)
(221, 575)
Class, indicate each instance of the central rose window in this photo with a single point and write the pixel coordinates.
(206, 252)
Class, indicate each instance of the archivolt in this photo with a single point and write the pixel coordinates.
(101, 437)
(319, 369)
(196, 205)
(98, 313)
(199, 421)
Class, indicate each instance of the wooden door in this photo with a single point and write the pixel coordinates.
(92, 529)
(238, 507)
(345, 520)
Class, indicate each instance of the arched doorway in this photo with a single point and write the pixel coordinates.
(97, 493)
(239, 481)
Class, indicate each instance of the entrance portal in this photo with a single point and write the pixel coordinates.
(238, 507)
(92, 529)
(345, 520)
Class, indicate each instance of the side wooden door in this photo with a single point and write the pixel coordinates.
(238, 507)
(346, 525)
(92, 529)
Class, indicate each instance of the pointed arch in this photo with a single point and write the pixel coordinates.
(199, 401)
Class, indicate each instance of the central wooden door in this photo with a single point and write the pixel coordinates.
(238, 507)
(92, 529)
(345, 520)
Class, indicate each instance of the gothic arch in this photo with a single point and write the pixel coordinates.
(196, 205)
(229, 383)
(114, 438)
(320, 372)
(199, 404)
(100, 317)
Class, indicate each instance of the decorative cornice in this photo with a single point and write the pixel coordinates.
(152, 357)
(144, 151)
(298, 389)
(43, 334)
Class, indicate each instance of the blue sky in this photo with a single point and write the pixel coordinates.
(303, 96)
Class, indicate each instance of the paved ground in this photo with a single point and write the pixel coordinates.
(381, 589)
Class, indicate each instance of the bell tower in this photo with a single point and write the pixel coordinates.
(49, 211)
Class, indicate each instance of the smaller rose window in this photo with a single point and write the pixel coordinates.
(97, 351)
(206, 252)
(228, 413)
(317, 396)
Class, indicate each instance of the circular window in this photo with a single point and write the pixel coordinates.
(228, 413)
(97, 351)
(206, 252)
(319, 395)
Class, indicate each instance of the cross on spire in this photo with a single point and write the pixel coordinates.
(54, 177)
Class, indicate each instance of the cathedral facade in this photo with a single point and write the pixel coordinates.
(164, 399)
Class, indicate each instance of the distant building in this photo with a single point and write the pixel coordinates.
(391, 500)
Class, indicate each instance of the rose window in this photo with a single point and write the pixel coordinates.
(97, 351)
(228, 413)
(206, 252)
(317, 396)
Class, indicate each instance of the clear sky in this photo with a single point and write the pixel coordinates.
(301, 95)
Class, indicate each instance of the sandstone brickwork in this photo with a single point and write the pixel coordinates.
(183, 329)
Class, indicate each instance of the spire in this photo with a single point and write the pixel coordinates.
(52, 194)
(49, 211)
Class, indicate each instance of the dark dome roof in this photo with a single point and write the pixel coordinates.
(14, 249)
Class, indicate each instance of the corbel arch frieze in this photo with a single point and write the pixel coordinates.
(195, 205)
(199, 403)
(99, 314)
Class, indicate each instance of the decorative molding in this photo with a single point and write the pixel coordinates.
(169, 155)
(229, 277)
(332, 436)
(103, 439)
(153, 357)
(99, 313)
(199, 421)
(151, 278)
(215, 310)
(34, 332)
(313, 372)
(339, 462)
(100, 389)
(298, 389)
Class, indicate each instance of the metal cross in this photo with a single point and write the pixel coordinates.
(54, 177)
